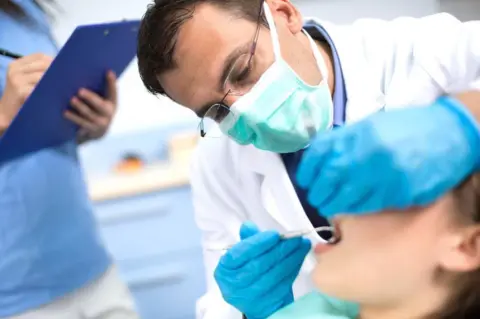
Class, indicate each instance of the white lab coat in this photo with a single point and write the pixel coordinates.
(404, 62)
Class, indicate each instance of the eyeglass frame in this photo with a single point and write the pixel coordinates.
(252, 53)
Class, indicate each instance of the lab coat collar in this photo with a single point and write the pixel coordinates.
(364, 97)
(277, 192)
(365, 94)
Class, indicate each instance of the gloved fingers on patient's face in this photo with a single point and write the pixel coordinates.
(346, 195)
(312, 162)
(365, 199)
(371, 197)
(333, 173)
(341, 201)
(383, 148)
(326, 147)
(353, 199)
(403, 180)
(324, 186)
(352, 170)
(248, 229)
(363, 185)
(249, 249)
(373, 171)
(313, 159)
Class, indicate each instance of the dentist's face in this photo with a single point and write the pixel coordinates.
(213, 40)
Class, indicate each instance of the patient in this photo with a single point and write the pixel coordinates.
(414, 264)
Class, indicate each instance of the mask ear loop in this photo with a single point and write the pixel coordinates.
(318, 56)
(322, 66)
(273, 32)
(276, 43)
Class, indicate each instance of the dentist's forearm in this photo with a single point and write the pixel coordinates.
(471, 100)
(465, 107)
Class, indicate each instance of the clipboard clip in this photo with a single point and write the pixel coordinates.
(134, 29)
(106, 32)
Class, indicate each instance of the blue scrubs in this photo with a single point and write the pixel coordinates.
(49, 245)
(292, 160)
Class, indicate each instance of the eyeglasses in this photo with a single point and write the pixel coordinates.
(237, 84)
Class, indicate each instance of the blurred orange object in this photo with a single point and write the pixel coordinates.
(129, 164)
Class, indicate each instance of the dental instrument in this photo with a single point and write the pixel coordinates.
(294, 234)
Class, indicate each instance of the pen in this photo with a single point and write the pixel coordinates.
(9, 54)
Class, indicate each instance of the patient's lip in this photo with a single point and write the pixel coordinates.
(322, 248)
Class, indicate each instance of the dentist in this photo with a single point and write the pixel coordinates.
(266, 76)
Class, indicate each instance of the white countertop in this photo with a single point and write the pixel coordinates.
(150, 179)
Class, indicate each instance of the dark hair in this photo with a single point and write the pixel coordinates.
(159, 29)
(15, 10)
(464, 303)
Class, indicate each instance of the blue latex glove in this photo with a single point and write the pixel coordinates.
(256, 275)
(394, 159)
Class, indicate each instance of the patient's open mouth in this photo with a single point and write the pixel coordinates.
(330, 234)
(330, 243)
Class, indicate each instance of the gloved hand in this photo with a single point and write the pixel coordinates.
(256, 275)
(394, 159)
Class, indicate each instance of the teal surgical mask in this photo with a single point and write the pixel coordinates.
(273, 115)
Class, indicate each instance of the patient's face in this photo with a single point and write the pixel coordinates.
(385, 256)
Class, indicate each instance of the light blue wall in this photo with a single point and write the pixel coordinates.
(152, 236)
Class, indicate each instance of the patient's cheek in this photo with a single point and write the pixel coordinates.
(317, 276)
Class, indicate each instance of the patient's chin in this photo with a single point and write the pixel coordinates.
(335, 284)
(325, 283)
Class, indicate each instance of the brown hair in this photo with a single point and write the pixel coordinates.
(159, 29)
(464, 303)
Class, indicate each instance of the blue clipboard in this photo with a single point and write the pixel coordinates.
(83, 61)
